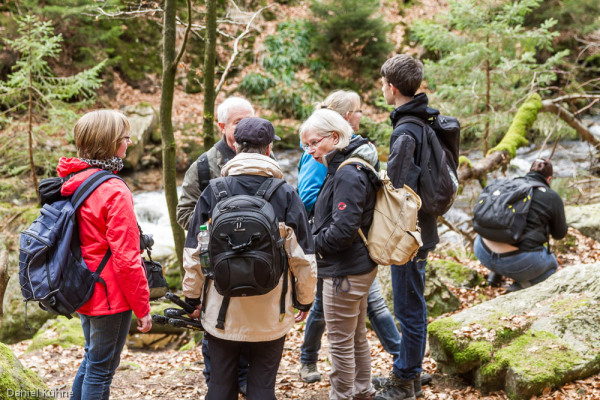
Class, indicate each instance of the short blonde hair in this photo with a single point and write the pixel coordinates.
(341, 101)
(99, 133)
(325, 122)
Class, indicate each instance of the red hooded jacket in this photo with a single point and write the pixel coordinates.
(106, 219)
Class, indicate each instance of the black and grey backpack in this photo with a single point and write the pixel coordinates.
(247, 256)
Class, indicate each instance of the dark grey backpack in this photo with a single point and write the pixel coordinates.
(247, 256)
(501, 211)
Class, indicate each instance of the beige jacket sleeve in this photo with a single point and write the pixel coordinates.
(193, 281)
(303, 266)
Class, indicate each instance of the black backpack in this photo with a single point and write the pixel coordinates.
(246, 250)
(438, 160)
(501, 211)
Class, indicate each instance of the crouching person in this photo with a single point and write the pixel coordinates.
(232, 296)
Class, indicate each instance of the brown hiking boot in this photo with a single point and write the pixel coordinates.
(397, 389)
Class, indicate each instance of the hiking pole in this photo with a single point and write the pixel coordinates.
(175, 299)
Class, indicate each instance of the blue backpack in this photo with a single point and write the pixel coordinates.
(51, 268)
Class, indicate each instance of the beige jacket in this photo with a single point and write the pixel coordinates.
(256, 318)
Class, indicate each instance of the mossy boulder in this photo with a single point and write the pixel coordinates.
(17, 381)
(61, 331)
(438, 297)
(585, 218)
(13, 328)
(525, 341)
(143, 120)
(456, 274)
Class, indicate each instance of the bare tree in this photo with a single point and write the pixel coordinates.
(170, 62)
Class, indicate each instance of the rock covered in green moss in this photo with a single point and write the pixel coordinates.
(438, 297)
(17, 381)
(456, 274)
(60, 331)
(585, 218)
(13, 327)
(522, 342)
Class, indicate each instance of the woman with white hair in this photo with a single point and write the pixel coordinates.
(344, 206)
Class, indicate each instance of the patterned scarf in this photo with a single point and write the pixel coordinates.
(111, 164)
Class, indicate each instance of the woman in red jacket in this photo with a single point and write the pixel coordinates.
(106, 220)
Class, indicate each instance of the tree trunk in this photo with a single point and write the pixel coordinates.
(209, 74)
(30, 128)
(4, 277)
(488, 108)
(562, 113)
(166, 126)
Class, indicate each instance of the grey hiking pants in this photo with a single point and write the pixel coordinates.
(345, 308)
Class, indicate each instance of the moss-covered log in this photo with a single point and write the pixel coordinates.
(515, 137)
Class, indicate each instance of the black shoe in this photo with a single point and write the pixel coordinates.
(243, 389)
(494, 279)
(379, 382)
(515, 287)
(426, 378)
(397, 389)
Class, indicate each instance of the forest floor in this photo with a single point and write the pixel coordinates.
(149, 373)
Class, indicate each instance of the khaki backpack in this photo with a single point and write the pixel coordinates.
(394, 237)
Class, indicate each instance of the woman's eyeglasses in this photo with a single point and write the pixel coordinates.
(313, 144)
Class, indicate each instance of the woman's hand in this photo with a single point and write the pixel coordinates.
(301, 316)
(144, 323)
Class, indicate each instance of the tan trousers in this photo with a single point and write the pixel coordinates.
(345, 309)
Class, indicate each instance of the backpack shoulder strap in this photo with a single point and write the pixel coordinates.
(411, 119)
(203, 171)
(89, 185)
(268, 187)
(357, 160)
(220, 188)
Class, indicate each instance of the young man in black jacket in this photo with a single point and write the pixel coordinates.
(401, 77)
(528, 262)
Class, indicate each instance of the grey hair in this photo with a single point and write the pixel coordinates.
(341, 101)
(325, 122)
(230, 103)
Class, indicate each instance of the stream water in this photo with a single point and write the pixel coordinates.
(571, 158)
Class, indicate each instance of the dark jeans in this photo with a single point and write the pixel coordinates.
(378, 313)
(527, 268)
(264, 359)
(242, 365)
(408, 284)
(104, 340)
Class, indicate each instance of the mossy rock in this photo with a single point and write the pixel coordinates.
(456, 274)
(17, 381)
(523, 342)
(438, 297)
(60, 331)
(13, 328)
(585, 218)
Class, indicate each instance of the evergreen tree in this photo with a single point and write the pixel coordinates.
(348, 35)
(487, 61)
(33, 86)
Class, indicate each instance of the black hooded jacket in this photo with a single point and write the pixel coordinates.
(345, 203)
(546, 216)
(417, 107)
